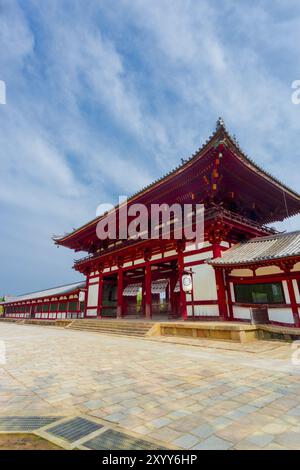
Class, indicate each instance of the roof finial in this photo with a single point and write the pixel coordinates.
(220, 123)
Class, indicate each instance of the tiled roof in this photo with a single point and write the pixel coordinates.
(54, 291)
(277, 246)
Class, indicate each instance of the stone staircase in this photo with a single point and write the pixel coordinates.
(112, 327)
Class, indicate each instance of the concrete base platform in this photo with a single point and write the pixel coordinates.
(239, 332)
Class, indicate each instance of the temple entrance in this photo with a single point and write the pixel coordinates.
(124, 294)
(109, 298)
(164, 291)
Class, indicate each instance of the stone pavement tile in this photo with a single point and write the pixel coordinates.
(186, 441)
(135, 410)
(290, 440)
(234, 415)
(294, 411)
(257, 419)
(246, 409)
(260, 439)
(271, 410)
(115, 417)
(93, 404)
(178, 414)
(235, 432)
(284, 403)
(112, 409)
(291, 420)
(221, 422)
(275, 428)
(159, 423)
(130, 421)
(203, 431)
(274, 446)
(98, 413)
(213, 443)
(245, 445)
(185, 425)
(143, 430)
(164, 434)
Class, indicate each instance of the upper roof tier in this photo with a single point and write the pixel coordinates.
(218, 173)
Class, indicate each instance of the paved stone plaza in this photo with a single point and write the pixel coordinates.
(198, 394)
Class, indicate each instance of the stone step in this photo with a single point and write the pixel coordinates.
(86, 327)
(116, 327)
(112, 331)
(100, 323)
(108, 328)
(117, 332)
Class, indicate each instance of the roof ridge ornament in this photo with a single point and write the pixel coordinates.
(220, 123)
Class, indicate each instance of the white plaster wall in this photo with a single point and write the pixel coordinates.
(206, 310)
(198, 257)
(170, 253)
(296, 290)
(158, 256)
(286, 292)
(93, 295)
(193, 246)
(204, 282)
(241, 312)
(232, 292)
(283, 315)
(92, 312)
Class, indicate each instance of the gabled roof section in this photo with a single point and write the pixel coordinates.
(220, 137)
(279, 246)
(53, 291)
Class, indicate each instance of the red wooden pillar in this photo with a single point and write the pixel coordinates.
(173, 281)
(182, 299)
(100, 292)
(120, 292)
(221, 291)
(293, 302)
(217, 252)
(229, 297)
(148, 293)
(87, 273)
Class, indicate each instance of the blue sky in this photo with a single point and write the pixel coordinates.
(103, 97)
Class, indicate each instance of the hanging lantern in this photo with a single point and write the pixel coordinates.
(187, 283)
